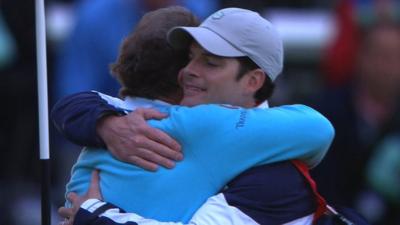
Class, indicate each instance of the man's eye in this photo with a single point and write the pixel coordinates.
(211, 63)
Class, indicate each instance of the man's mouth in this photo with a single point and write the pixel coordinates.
(192, 89)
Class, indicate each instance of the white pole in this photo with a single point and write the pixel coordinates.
(43, 111)
(42, 80)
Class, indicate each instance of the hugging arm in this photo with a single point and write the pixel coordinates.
(243, 138)
(88, 119)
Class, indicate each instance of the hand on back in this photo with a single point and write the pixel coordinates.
(130, 139)
(93, 193)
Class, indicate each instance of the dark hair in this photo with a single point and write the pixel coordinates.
(266, 90)
(147, 66)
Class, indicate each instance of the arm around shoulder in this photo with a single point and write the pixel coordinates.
(76, 115)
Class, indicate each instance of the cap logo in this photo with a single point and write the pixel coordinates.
(218, 15)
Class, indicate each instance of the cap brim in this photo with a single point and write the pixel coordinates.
(181, 37)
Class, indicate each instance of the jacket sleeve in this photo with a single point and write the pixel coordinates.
(75, 117)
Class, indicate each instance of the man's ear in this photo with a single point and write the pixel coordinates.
(255, 80)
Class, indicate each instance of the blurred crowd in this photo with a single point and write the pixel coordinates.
(342, 58)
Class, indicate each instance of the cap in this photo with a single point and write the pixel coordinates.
(236, 32)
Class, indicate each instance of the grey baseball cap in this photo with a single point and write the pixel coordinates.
(235, 32)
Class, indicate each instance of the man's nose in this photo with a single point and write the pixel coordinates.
(190, 70)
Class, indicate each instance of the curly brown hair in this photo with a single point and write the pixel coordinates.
(147, 66)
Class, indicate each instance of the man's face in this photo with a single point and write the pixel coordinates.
(208, 78)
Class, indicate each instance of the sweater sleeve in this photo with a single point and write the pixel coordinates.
(228, 141)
